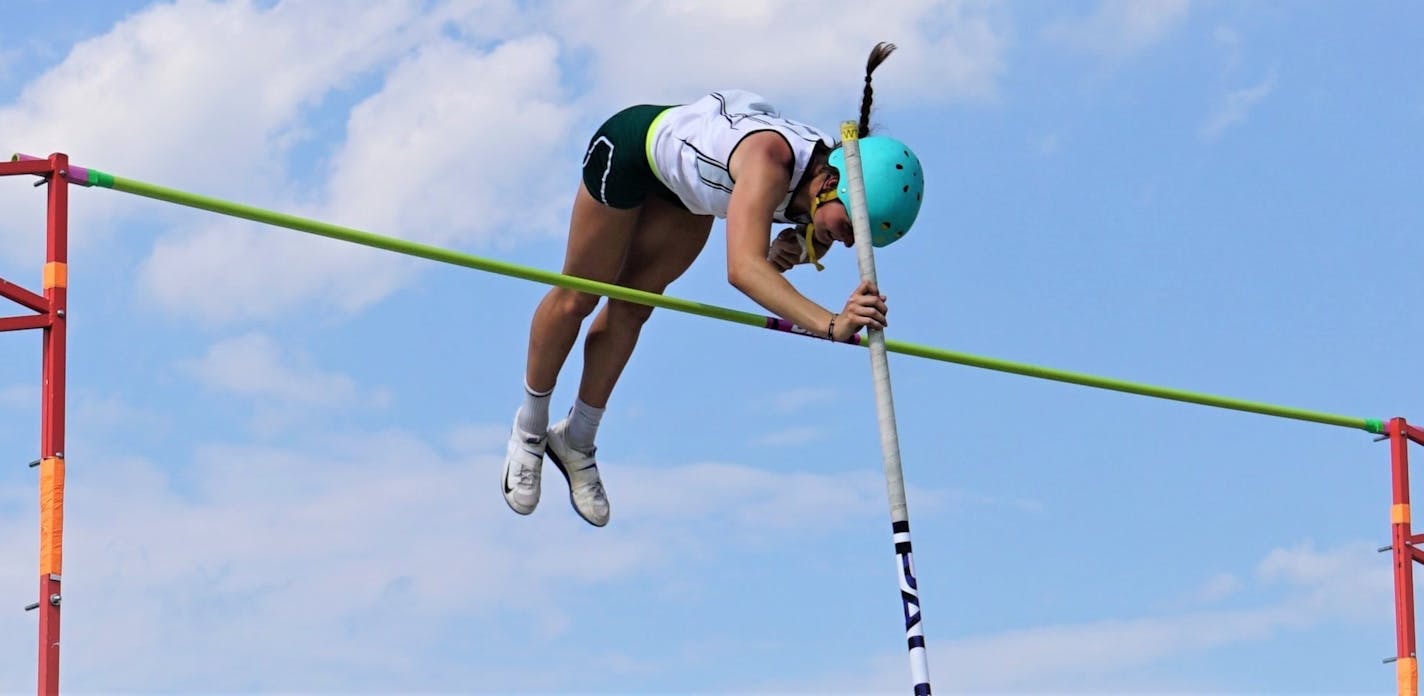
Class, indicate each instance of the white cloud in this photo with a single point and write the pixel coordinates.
(456, 148)
(748, 500)
(256, 366)
(226, 271)
(94, 413)
(469, 438)
(351, 556)
(1343, 584)
(207, 95)
(1120, 28)
(1216, 588)
(949, 51)
(458, 145)
(1236, 107)
(1073, 656)
(222, 77)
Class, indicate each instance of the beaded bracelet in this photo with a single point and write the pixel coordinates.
(831, 330)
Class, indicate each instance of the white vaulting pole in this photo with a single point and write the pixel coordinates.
(885, 412)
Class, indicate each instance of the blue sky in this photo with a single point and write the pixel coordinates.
(283, 451)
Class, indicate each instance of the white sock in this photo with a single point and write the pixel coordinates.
(533, 415)
(583, 425)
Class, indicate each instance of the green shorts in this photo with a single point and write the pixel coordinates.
(615, 169)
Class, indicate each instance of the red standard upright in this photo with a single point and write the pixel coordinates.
(48, 315)
(1403, 542)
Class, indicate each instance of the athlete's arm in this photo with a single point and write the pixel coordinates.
(761, 170)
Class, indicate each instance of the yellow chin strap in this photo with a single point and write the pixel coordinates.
(811, 226)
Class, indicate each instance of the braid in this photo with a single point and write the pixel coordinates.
(878, 55)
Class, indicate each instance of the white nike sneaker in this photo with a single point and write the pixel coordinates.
(581, 471)
(523, 465)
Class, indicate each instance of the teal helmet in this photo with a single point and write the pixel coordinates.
(894, 186)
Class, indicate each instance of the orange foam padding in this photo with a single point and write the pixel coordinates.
(51, 516)
(1399, 514)
(56, 275)
(1408, 669)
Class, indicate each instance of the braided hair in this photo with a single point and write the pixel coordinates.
(878, 55)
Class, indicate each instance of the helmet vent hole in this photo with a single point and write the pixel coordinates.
(885, 225)
(906, 189)
(899, 166)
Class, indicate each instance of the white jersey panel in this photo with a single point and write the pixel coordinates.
(691, 144)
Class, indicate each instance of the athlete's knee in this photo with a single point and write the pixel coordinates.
(574, 304)
(628, 314)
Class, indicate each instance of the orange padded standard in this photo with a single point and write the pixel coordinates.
(56, 275)
(51, 515)
(1408, 669)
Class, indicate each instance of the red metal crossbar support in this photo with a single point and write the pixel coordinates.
(1404, 544)
(49, 317)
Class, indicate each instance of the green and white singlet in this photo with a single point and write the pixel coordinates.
(689, 146)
